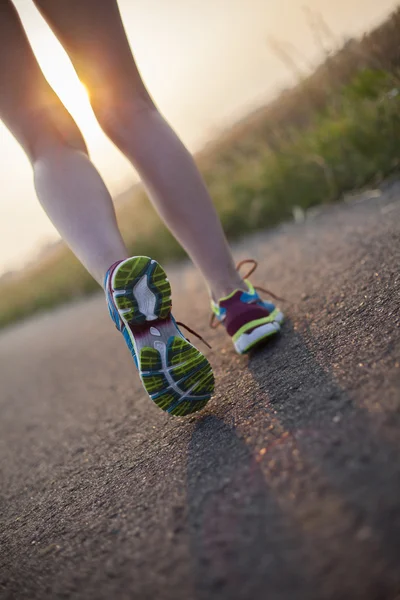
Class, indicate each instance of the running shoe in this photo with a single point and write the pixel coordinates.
(249, 320)
(177, 377)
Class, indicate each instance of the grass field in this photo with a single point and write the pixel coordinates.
(336, 131)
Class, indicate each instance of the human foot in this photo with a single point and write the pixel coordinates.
(177, 377)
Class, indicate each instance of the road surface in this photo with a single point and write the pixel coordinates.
(287, 487)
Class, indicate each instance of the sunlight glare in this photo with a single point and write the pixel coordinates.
(75, 98)
(61, 75)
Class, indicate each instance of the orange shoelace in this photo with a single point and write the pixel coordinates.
(193, 332)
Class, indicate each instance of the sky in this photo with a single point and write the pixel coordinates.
(206, 62)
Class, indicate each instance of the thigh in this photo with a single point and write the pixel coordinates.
(94, 37)
(29, 107)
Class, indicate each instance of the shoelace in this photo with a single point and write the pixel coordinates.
(213, 323)
(193, 332)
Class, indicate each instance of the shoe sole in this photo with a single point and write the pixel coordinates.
(259, 336)
(177, 377)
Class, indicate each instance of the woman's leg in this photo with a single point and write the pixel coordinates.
(94, 37)
(68, 185)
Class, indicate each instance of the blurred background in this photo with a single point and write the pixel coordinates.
(286, 104)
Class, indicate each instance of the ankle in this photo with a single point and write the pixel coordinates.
(221, 289)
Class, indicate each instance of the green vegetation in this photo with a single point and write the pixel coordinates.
(352, 142)
(256, 173)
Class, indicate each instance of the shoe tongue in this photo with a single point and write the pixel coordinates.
(232, 299)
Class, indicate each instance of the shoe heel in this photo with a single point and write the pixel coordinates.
(177, 377)
(141, 290)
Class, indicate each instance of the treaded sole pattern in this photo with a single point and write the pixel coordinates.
(127, 278)
(177, 377)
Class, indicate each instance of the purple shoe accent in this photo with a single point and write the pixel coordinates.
(238, 313)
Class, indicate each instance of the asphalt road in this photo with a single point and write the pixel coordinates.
(287, 487)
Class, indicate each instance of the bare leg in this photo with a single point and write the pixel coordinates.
(68, 186)
(93, 35)
(75, 198)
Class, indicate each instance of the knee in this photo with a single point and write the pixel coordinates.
(49, 129)
(118, 116)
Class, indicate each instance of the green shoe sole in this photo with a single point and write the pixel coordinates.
(177, 377)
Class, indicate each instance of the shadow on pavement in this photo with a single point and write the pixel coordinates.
(314, 513)
(350, 459)
(241, 544)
